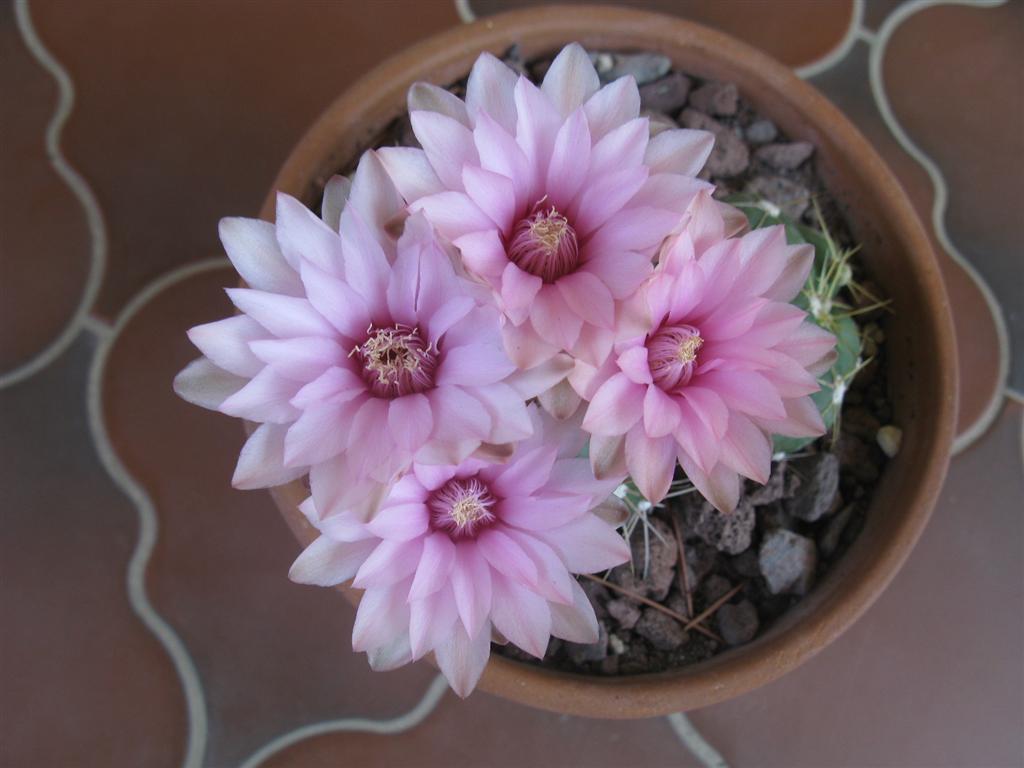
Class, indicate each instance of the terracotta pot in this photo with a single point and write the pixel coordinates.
(896, 251)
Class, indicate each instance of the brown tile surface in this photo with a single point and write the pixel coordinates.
(796, 32)
(847, 86)
(183, 114)
(272, 655)
(491, 732)
(185, 111)
(84, 682)
(933, 674)
(44, 241)
(955, 79)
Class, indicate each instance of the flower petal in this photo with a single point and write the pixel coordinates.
(434, 567)
(493, 193)
(304, 237)
(226, 343)
(570, 160)
(389, 563)
(506, 556)
(489, 89)
(252, 246)
(588, 297)
(571, 79)
(261, 461)
(612, 106)
(462, 660)
(683, 151)
(521, 616)
(616, 407)
(575, 622)
(411, 172)
(588, 545)
(471, 584)
(264, 398)
(651, 463)
(325, 562)
(448, 145)
(431, 621)
(428, 97)
(661, 414)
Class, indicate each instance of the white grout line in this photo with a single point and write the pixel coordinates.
(148, 523)
(941, 197)
(78, 186)
(399, 724)
(837, 54)
(693, 741)
(97, 326)
(465, 12)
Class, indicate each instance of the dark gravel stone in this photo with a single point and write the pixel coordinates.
(664, 632)
(761, 132)
(624, 611)
(661, 567)
(784, 157)
(700, 558)
(787, 562)
(713, 587)
(792, 198)
(666, 95)
(745, 564)
(771, 491)
(857, 457)
(737, 623)
(716, 99)
(729, 533)
(730, 156)
(820, 485)
(861, 422)
(828, 539)
(644, 67)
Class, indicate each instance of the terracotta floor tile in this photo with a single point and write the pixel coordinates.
(491, 732)
(44, 258)
(932, 674)
(847, 86)
(955, 78)
(272, 655)
(185, 111)
(84, 682)
(796, 32)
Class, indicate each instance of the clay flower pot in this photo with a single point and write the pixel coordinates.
(922, 368)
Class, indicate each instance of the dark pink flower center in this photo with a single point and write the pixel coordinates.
(462, 506)
(544, 243)
(672, 355)
(396, 361)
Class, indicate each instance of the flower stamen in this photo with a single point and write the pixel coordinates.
(544, 243)
(461, 507)
(672, 355)
(396, 360)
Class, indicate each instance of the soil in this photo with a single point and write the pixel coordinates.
(784, 536)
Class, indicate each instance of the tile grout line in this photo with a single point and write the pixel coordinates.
(175, 648)
(939, 203)
(412, 718)
(692, 739)
(853, 32)
(79, 188)
(466, 15)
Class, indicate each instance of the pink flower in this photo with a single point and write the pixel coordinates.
(355, 353)
(555, 196)
(724, 363)
(458, 551)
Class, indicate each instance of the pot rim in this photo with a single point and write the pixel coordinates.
(842, 597)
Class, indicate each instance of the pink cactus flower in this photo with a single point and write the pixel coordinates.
(724, 363)
(459, 553)
(556, 196)
(355, 353)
